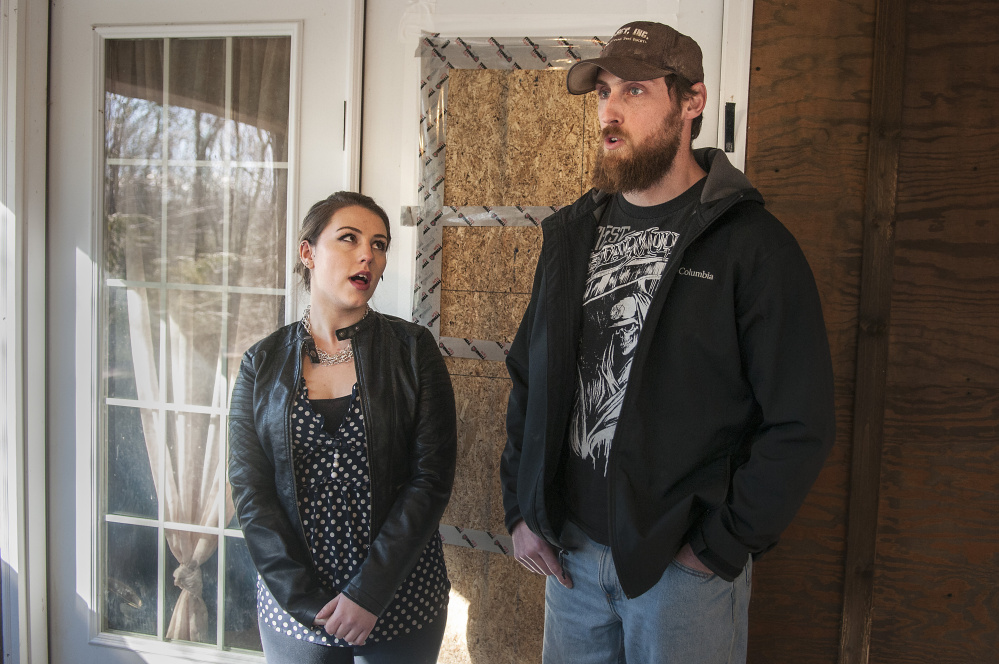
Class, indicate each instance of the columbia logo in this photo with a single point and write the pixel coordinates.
(687, 272)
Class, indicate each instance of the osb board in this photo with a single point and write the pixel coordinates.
(496, 613)
(486, 277)
(517, 138)
(481, 390)
(809, 117)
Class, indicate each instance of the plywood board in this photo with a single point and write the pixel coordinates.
(517, 138)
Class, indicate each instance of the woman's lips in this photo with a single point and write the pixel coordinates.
(361, 280)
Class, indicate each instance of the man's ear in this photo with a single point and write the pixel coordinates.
(694, 106)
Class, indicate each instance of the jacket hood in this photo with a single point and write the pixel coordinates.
(724, 179)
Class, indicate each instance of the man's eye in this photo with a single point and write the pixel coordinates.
(636, 91)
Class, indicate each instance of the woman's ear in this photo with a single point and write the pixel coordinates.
(306, 254)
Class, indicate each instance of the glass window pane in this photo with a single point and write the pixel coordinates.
(251, 318)
(130, 488)
(133, 100)
(192, 587)
(197, 99)
(133, 213)
(130, 578)
(240, 597)
(194, 485)
(133, 332)
(195, 322)
(195, 224)
(258, 243)
(260, 98)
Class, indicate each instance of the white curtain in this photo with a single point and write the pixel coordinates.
(189, 473)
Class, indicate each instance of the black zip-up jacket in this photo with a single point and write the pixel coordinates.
(409, 425)
(728, 413)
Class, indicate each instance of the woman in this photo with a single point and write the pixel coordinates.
(342, 448)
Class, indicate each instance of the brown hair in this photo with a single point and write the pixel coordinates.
(682, 89)
(319, 217)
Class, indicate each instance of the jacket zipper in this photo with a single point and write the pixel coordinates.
(288, 438)
(367, 441)
(612, 458)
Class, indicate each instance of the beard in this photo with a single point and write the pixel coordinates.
(647, 162)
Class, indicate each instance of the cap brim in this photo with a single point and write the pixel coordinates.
(582, 76)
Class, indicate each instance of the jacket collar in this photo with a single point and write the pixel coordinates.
(344, 332)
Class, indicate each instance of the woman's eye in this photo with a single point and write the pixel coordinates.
(379, 245)
(347, 237)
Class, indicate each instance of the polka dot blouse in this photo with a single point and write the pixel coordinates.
(334, 501)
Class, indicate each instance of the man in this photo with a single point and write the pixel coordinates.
(687, 319)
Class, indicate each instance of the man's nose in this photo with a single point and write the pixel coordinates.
(608, 110)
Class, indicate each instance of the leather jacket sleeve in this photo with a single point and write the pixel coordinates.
(279, 554)
(414, 515)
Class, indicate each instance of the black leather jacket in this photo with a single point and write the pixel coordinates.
(409, 420)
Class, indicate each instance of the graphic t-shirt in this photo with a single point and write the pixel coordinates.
(633, 247)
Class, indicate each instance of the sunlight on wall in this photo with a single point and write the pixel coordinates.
(455, 646)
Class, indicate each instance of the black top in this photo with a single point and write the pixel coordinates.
(332, 411)
(633, 247)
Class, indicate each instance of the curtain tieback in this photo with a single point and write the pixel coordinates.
(188, 577)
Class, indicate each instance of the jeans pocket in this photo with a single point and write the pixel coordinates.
(692, 572)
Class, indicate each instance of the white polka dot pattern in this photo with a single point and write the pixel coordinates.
(334, 502)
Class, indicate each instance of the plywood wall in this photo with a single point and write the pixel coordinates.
(513, 138)
(517, 138)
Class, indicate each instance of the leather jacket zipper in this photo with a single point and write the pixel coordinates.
(288, 438)
(367, 444)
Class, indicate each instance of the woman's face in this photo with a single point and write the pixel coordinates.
(348, 259)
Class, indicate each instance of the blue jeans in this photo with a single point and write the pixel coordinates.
(688, 617)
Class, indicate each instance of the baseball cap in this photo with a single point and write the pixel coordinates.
(640, 51)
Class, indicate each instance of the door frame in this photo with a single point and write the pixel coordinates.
(23, 147)
(24, 435)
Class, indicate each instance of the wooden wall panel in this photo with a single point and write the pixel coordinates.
(937, 574)
(937, 580)
(809, 111)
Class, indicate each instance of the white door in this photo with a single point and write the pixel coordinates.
(392, 105)
(186, 140)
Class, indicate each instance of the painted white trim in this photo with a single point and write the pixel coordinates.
(24, 44)
(291, 305)
(737, 43)
(519, 25)
(163, 652)
(352, 112)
